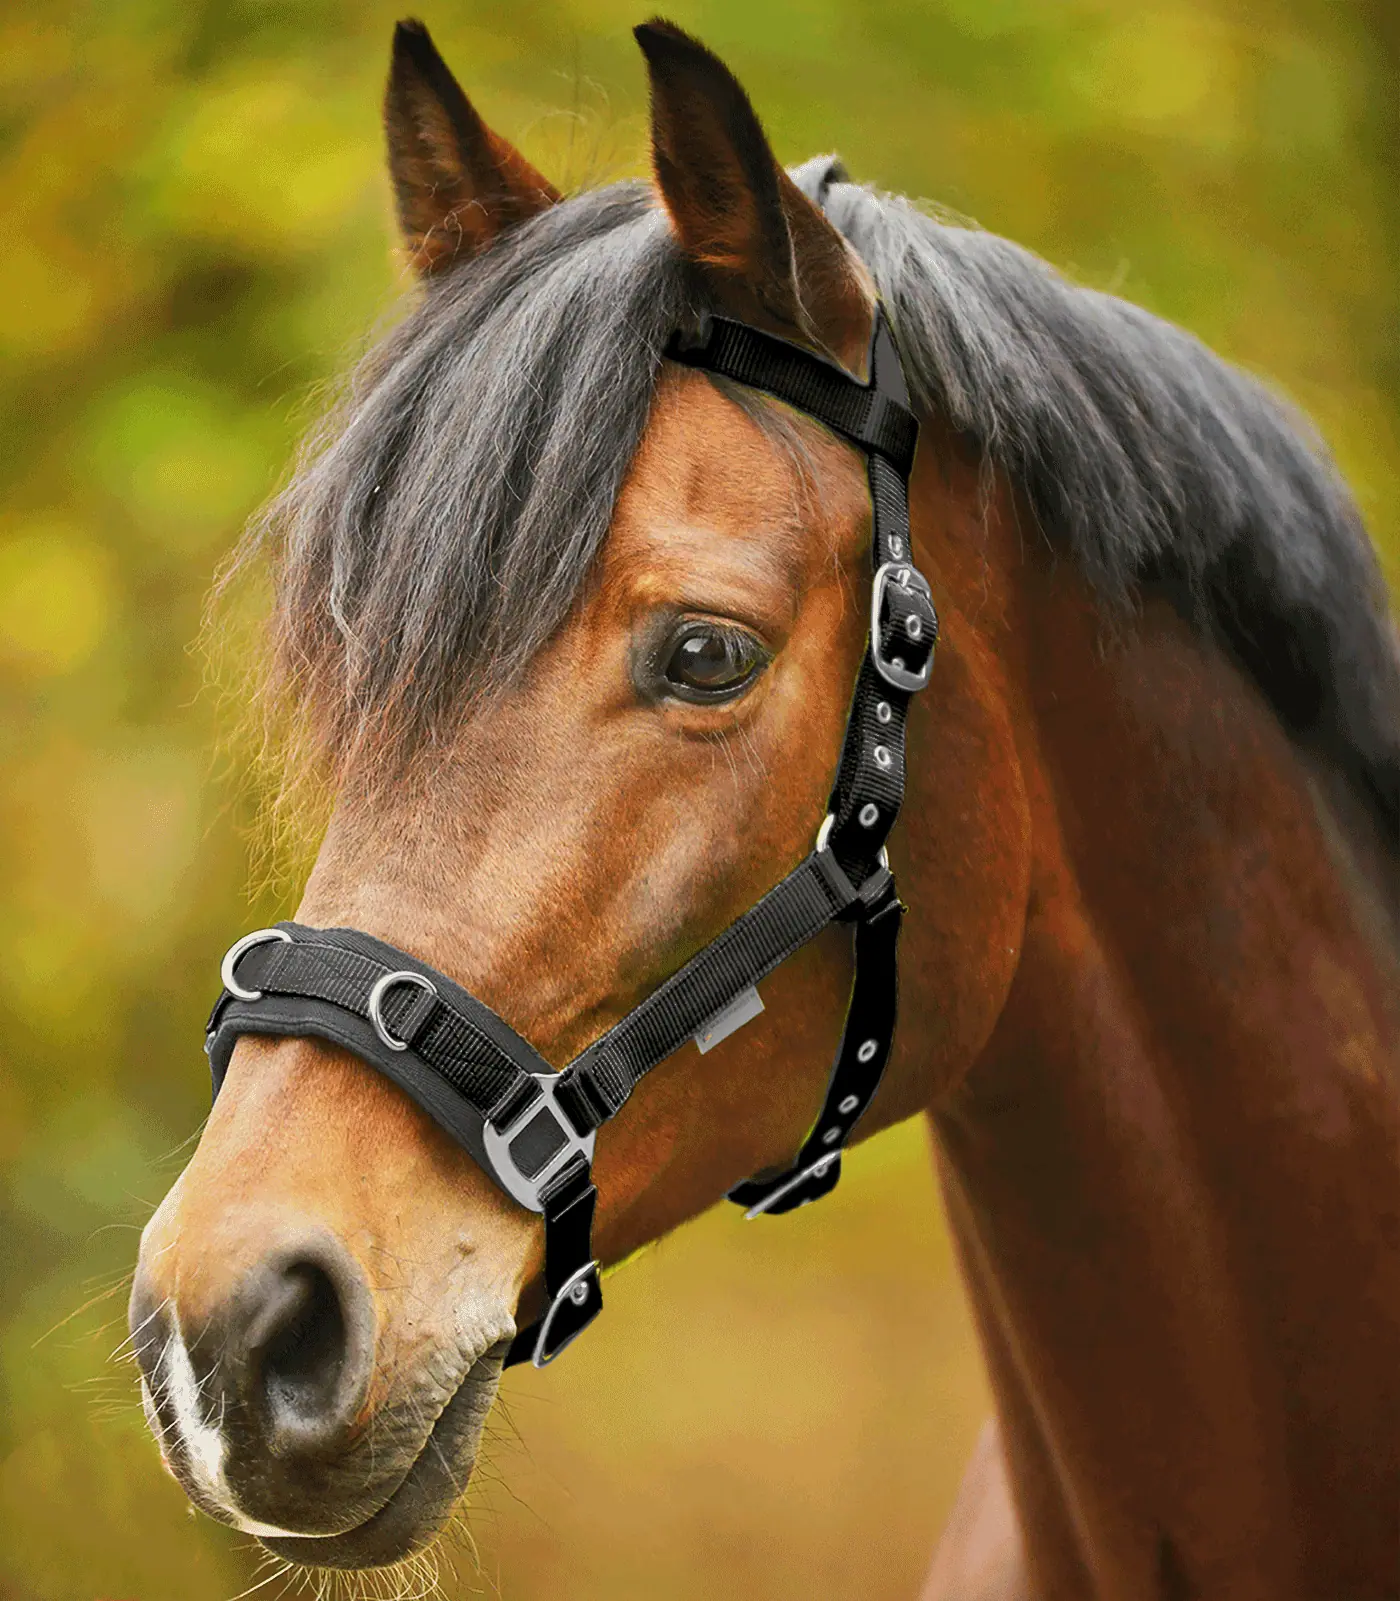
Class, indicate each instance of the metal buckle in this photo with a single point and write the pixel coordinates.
(526, 1187)
(892, 668)
(769, 1201)
(260, 936)
(568, 1292)
(824, 840)
(382, 986)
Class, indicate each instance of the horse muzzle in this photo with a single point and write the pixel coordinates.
(262, 1394)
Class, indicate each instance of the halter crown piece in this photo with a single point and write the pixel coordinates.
(531, 1128)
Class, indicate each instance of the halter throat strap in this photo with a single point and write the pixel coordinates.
(532, 1129)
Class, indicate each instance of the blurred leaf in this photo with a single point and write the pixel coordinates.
(184, 459)
(56, 597)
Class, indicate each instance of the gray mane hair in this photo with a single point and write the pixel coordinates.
(442, 520)
(1157, 465)
(442, 524)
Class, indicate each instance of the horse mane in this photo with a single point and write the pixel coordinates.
(1158, 466)
(444, 519)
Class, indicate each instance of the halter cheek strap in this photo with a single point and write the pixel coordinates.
(532, 1129)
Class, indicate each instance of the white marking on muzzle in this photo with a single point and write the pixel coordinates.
(205, 1447)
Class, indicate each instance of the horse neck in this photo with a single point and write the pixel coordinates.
(1171, 1169)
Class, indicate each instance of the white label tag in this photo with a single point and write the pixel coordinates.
(742, 1009)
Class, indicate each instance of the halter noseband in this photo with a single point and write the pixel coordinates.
(532, 1129)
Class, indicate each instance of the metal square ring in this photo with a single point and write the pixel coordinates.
(523, 1186)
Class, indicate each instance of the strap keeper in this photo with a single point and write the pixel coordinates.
(843, 892)
(877, 895)
(582, 1100)
(419, 1013)
(570, 1185)
(516, 1101)
(890, 430)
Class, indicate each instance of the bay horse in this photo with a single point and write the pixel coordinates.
(572, 629)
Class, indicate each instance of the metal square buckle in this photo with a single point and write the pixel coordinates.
(893, 669)
(512, 1151)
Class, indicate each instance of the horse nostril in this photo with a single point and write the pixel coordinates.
(303, 1355)
(308, 1347)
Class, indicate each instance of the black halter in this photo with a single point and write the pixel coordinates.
(532, 1129)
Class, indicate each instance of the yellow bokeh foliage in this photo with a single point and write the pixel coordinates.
(196, 241)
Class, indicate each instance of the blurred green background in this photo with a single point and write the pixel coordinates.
(195, 237)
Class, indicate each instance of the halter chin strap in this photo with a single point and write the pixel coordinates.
(532, 1129)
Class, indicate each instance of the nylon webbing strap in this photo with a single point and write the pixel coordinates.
(869, 786)
(532, 1129)
(459, 1037)
(599, 1081)
(869, 416)
(859, 1067)
(573, 1292)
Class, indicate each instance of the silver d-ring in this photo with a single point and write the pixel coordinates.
(381, 988)
(260, 936)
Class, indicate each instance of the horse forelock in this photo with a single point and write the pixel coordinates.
(443, 517)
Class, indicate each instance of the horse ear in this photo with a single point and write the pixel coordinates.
(457, 185)
(771, 255)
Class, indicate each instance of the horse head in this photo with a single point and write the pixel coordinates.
(575, 629)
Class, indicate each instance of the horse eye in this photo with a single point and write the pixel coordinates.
(707, 662)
